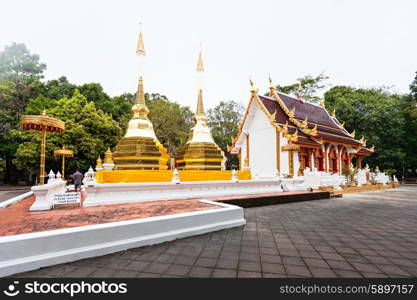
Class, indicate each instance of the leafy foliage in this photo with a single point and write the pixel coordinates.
(376, 114)
(171, 122)
(89, 132)
(20, 72)
(306, 87)
(223, 121)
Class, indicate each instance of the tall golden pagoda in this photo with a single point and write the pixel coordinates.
(200, 152)
(140, 149)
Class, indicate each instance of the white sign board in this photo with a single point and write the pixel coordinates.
(67, 198)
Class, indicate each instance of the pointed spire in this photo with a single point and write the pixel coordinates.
(200, 105)
(140, 110)
(140, 94)
(140, 49)
(108, 157)
(200, 66)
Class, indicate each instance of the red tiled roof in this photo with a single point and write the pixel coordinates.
(328, 127)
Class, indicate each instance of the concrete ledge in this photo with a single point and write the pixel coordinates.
(365, 188)
(100, 194)
(15, 199)
(24, 252)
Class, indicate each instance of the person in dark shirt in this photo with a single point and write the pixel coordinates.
(78, 179)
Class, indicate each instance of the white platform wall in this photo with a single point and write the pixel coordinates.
(23, 252)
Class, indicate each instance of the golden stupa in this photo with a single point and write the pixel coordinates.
(140, 149)
(200, 152)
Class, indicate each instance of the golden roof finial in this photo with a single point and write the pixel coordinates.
(292, 112)
(334, 113)
(200, 66)
(271, 85)
(372, 148)
(343, 124)
(140, 49)
(252, 87)
(353, 133)
(285, 128)
(305, 123)
(294, 136)
(322, 103)
(362, 140)
(43, 112)
(314, 130)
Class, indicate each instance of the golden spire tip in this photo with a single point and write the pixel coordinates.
(200, 66)
(140, 49)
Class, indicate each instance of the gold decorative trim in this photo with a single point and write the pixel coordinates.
(278, 150)
(291, 147)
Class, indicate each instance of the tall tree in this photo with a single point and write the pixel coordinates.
(377, 114)
(88, 132)
(171, 121)
(306, 87)
(223, 120)
(20, 72)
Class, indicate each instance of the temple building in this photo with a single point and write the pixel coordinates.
(140, 149)
(200, 152)
(282, 135)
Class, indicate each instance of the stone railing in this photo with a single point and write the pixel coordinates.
(315, 179)
(44, 194)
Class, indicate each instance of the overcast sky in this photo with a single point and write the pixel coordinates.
(359, 43)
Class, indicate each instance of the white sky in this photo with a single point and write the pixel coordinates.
(359, 43)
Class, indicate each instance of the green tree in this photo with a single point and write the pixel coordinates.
(410, 129)
(377, 114)
(20, 74)
(306, 87)
(223, 121)
(88, 132)
(171, 121)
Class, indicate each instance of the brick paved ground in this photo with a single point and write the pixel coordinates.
(360, 235)
(17, 219)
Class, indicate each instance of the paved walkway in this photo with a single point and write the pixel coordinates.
(370, 234)
(8, 194)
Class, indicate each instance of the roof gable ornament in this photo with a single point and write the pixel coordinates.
(304, 125)
(253, 90)
(322, 103)
(294, 136)
(372, 148)
(285, 129)
(353, 134)
(273, 116)
(342, 125)
(291, 113)
(334, 113)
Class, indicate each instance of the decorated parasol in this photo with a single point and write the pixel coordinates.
(44, 124)
(63, 153)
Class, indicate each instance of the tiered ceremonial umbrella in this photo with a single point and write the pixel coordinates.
(63, 153)
(44, 124)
